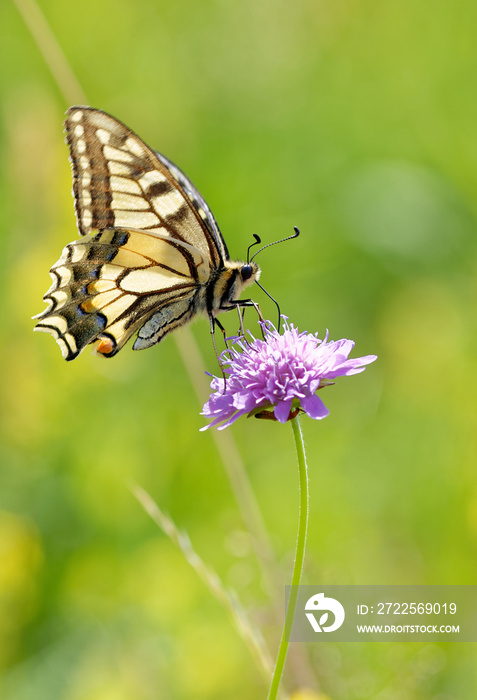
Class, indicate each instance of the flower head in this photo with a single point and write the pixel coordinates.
(281, 372)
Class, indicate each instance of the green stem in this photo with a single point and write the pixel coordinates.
(299, 558)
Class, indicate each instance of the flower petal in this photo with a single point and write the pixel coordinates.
(353, 366)
(282, 410)
(314, 407)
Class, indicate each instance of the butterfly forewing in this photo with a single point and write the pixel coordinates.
(199, 203)
(119, 182)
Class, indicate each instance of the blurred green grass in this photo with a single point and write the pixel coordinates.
(356, 122)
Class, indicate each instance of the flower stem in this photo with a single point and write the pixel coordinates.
(299, 558)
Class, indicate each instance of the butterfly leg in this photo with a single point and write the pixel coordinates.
(243, 304)
(241, 315)
(214, 322)
(223, 331)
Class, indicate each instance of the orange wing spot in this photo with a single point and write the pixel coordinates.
(105, 346)
(88, 306)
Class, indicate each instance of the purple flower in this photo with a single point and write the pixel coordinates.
(281, 372)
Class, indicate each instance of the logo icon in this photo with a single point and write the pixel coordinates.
(320, 602)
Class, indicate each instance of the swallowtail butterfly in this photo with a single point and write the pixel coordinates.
(152, 256)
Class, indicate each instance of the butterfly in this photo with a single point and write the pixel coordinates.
(152, 256)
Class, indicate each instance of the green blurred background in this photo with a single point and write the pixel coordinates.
(357, 122)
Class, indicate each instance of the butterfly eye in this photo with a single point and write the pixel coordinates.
(246, 272)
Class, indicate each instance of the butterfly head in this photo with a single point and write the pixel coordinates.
(249, 272)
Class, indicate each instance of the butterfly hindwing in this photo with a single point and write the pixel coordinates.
(119, 182)
(107, 286)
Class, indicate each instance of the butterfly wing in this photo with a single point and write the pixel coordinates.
(157, 244)
(199, 204)
(107, 286)
(119, 182)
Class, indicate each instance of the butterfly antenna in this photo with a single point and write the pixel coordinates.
(258, 240)
(282, 240)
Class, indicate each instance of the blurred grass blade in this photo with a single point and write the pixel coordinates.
(228, 599)
(51, 51)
